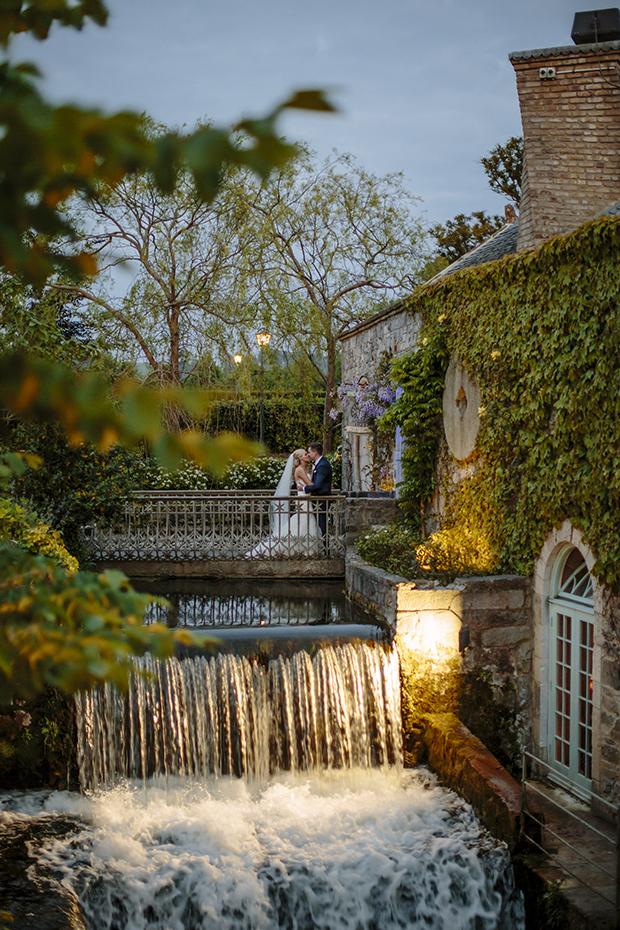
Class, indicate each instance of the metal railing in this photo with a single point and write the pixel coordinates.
(614, 810)
(221, 526)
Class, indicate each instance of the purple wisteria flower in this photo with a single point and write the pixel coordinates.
(386, 393)
(370, 409)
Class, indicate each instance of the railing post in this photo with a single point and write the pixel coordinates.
(523, 797)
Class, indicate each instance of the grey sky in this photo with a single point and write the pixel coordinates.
(425, 86)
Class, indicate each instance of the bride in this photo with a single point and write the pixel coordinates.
(292, 533)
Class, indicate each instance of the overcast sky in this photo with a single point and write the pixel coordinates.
(425, 86)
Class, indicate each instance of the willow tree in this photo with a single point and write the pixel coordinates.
(188, 260)
(334, 243)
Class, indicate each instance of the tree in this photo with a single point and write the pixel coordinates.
(45, 322)
(503, 167)
(48, 154)
(75, 631)
(456, 237)
(191, 283)
(332, 241)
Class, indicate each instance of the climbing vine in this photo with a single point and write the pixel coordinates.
(541, 333)
(417, 412)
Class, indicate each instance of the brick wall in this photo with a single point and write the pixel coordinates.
(571, 129)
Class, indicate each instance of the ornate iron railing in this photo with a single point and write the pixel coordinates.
(221, 526)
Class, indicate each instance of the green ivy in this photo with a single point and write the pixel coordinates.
(417, 412)
(541, 333)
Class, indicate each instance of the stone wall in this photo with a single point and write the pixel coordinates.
(609, 772)
(429, 621)
(570, 110)
(363, 514)
(466, 766)
(394, 331)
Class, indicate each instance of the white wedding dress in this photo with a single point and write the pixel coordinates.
(293, 529)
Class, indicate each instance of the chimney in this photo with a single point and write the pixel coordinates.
(570, 110)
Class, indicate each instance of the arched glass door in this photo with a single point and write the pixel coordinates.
(571, 617)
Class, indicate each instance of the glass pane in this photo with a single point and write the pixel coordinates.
(574, 561)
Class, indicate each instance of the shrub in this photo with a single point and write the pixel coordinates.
(456, 550)
(335, 459)
(26, 529)
(449, 552)
(261, 472)
(75, 485)
(392, 548)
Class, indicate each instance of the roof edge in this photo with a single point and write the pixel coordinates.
(555, 51)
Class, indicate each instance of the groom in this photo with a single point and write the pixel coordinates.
(321, 481)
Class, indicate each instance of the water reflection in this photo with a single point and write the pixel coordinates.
(214, 603)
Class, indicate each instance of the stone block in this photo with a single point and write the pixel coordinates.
(504, 636)
(429, 632)
(494, 597)
(420, 599)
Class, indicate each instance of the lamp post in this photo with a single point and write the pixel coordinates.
(237, 359)
(263, 341)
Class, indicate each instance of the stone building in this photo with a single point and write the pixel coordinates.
(570, 686)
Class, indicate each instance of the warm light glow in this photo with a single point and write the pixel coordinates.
(263, 339)
(238, 359)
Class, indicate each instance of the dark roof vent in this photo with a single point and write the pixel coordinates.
(596, 26)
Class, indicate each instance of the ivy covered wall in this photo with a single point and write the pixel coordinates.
(541, 333)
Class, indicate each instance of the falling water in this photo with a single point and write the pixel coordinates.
(232, 793)
(229, 715)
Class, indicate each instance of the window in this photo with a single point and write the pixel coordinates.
(571, 670)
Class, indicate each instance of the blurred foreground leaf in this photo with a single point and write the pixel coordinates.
(40, 391)
(70, 631)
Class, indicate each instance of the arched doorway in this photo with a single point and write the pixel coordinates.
(571, 670)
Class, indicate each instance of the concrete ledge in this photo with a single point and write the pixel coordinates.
(467, 766)
(302, 568)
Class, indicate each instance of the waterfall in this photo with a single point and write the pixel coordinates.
(230, 715)
(236, 793)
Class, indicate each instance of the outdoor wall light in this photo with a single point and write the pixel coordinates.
(464, 638)
(263, 339)
(237, 359)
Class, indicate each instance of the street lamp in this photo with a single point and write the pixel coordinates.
(237, 359)
(263, 341)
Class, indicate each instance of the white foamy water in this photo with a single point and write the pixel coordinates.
(349, 850)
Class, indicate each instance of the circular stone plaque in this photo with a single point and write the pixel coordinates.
(461, 400)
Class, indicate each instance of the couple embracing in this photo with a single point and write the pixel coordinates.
(320, 481)
(296, 524)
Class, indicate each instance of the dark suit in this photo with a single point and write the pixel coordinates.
(321, 485)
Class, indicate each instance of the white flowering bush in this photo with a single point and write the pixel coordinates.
(261, 472)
